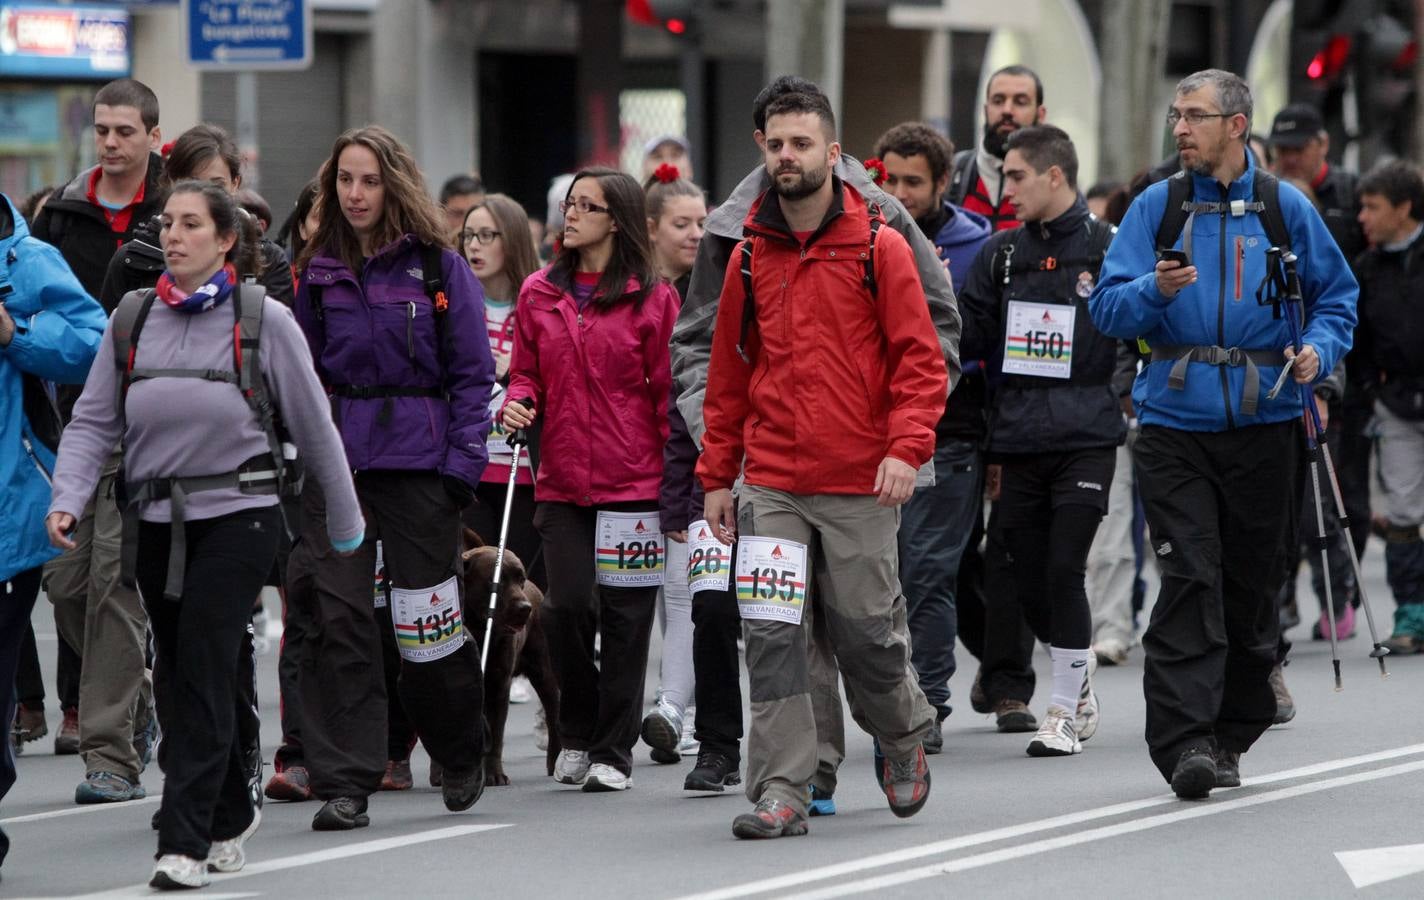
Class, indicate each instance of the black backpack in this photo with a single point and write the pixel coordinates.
(1182, 208)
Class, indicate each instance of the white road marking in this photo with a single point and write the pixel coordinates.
(346, 851)
(80, 810)
(824, 873)
(1195, 811)
(1367, 867)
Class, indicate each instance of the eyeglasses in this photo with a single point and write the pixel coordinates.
(583, 206)
(1193, 117)
(485, 236)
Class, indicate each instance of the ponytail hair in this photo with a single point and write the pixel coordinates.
(664, 184)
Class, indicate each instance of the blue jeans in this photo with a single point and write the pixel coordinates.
(934, 530)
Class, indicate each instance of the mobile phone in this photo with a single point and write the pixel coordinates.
(1179, 257)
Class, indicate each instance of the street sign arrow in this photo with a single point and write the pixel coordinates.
(1367, 867)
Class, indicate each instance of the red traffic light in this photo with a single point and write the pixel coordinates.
(1331, 59)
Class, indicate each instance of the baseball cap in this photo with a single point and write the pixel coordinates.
(1295, 125)
(661, 139)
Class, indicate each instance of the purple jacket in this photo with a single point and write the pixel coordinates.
(380, 331)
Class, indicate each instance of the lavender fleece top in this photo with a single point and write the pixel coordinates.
(189, 426)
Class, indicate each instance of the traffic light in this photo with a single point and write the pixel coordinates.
(1321, 46)
(1385, 52)
(672, 15)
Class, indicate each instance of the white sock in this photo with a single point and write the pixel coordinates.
(1070, 667)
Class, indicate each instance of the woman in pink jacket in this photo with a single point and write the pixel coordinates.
(591, 362)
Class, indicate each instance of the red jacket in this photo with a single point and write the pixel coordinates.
(838, 380)
(599, 380)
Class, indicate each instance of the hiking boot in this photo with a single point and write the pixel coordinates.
(821, 804)
(877, 760)
(769, 819)
(107, 787)
(571, 767)
(978, 700)
(1195, 774)
(1057, 736)
(1408, 636)
(1110, 652)
(460, 792)
(934, 741)
(1344, 625)
(713, 772)
(603, 778)
(1013, 717)
(1228, 768)
(662, 728)
(173, 872)
(397, 777)
(229, 855)
(66, 742)
(1404, 644)
(146, 736)
(665, 757)
(907, 783)
(1085, 719)
(341, 814)
(29, 725)
(1285, 704)
(293, 784)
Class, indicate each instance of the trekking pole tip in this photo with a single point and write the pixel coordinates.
(1339, 685)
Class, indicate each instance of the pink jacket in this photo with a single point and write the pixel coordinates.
(599, 380)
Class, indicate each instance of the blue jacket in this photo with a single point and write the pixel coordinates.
(1220, 308)
(57, 332)
(958, 241)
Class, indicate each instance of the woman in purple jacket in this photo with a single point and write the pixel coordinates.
(202, 479)
(395, 322)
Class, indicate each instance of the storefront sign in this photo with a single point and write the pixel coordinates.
(69, 42)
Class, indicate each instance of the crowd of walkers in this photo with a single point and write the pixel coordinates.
(771, 426)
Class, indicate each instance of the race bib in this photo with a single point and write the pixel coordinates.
(429, 625)
(380, 576)
(629, 549)
(771, 579)
(709, 561)
(1038, 339)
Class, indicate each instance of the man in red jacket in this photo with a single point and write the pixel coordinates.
(828, 381)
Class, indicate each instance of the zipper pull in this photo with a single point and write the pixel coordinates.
(410, 329)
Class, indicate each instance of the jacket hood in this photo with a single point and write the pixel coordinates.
(12, 225)
(727, 219)
(962, 227)
(845, 222)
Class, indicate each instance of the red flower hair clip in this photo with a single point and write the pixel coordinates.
(876, 170)
(167, 149)
(667, 173)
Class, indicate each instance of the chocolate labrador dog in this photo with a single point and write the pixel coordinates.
(517, 647)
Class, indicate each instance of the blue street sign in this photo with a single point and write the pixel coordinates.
(248, 34)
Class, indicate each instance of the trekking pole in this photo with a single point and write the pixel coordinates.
(517, 440)
(1321, 448)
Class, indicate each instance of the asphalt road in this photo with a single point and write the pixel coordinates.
(1347, 775)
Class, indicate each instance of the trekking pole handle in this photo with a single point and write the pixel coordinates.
(520, 436)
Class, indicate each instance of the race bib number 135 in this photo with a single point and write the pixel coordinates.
(428, 621)
(771, 579)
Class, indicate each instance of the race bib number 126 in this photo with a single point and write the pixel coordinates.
(629, 550)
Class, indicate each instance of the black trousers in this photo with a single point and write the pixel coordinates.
(1006, 660)
(716, 663)
(600, 705)
(29, 680)
(484, 517)
(17, 601)
(342, 682)
(199, 640)
(66, 675)
(1223, 509)
(297, 628)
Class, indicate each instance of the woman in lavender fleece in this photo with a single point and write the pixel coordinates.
(177, 427)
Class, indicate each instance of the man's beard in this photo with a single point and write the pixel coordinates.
(996, 142)
(809, 183)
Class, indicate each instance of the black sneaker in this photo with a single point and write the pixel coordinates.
(254, 766)
(665, 757)
(1228, 768)
(461, 791)
(934, 741)
(713, 772)
(1195, 774)
(342, 814)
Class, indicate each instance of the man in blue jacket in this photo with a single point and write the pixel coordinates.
(49, 329)
(1218, 460)
(937, 521)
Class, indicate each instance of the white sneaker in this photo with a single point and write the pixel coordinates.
(571, 767)
(603, 777)
(541, 730)
(228, 856)
(662, 727)
(689, 745)
(1085, 723)
(173, 872)
(520, 690)
(1056, 736)
(1110, 652)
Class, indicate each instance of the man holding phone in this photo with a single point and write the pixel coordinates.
(1218, 457)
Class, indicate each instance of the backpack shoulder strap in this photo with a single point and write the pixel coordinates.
(869, 280)
(1174, 217)
(247, 305)
(748, 298)
(432, 270)
(1267, 189)
(129, 317)
(960, 182)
